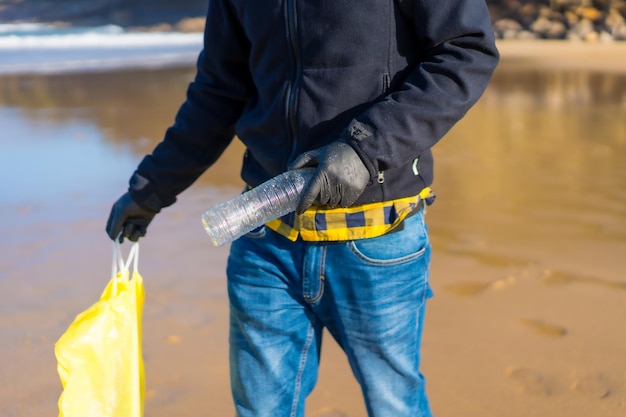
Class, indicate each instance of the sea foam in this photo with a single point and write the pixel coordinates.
(41, 48)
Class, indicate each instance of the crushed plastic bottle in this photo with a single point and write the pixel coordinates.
(232, 219)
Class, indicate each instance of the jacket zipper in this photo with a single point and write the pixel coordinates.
(293, 86)
(386, 85)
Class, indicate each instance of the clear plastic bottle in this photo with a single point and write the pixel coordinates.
(232, 219)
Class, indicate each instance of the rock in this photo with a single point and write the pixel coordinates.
(606, 37)
(527, 14)
(565, 3)
(191, 24)
(507, 28)
(557, 30)
(527, 35)
(582, 28)
(161, 27)
(614, 19)
(619, 33)
(592, 36)
(541, 25)
(591, 13)
(549, 29)
(571, 17)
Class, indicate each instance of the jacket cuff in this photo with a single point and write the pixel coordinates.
(354, 134)
(144, 193)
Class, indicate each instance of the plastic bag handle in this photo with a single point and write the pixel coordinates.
(133, 256)
(118, 265)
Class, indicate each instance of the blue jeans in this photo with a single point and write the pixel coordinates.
(370, 294)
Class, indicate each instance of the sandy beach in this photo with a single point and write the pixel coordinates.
(530, 288)
(590, 56)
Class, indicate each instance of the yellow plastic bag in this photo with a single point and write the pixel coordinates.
(99, 357)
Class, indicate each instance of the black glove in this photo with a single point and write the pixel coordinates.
(129, 218)
(339, 180)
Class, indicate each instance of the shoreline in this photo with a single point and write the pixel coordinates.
(564, 54)
(521, 54)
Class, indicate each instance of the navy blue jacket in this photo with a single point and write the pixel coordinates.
(286, 76)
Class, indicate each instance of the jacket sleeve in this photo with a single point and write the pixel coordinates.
(459, 55)
(204, 124)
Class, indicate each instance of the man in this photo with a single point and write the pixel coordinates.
(361, 90)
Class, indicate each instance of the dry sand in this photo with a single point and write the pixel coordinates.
(502, 338)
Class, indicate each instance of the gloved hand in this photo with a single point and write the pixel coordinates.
(129, 218)
(339, 180)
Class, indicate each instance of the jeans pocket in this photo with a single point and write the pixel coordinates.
(403, 246)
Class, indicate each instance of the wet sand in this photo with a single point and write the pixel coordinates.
(594, 56)
(527, 318)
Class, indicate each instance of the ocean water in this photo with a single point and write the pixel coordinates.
(542, 153)
(70, 155)
(35, 48)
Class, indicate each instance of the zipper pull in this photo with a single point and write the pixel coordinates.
(381, 177)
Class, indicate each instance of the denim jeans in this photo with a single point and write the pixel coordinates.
(370, 295)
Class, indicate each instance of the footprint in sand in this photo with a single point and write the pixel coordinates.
(473, 288)
(330, 413)
(489, 258)
(551, 277)
(544, 328)
(593, 385)
(468, 288)
(530, 381)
